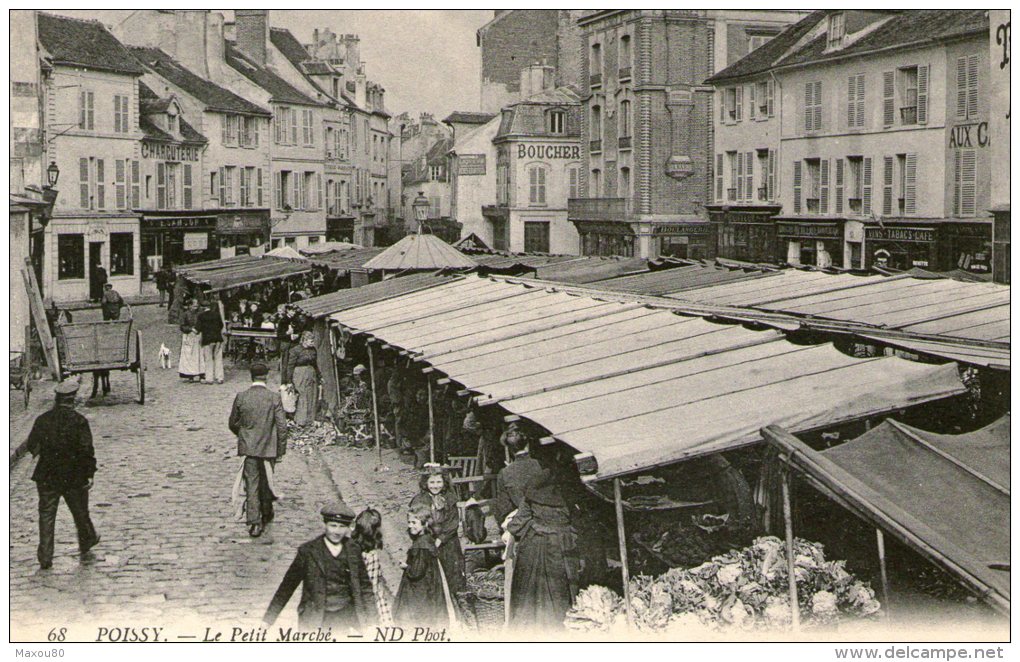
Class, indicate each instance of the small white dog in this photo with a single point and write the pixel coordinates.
(164, 356)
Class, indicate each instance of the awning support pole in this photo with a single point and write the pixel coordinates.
(336, 369)
(880, 540)
(432, 423)
(621, 534)
(375, 411)
(790, 556)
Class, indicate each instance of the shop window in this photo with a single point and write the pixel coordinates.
(70, 256)
(289, 241)
(674, 246)
(122, 253)
(536, 237)
(313, 240)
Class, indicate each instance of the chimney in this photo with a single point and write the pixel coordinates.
(214, 44)
(191, 47)
(252, 26)
(537, 78)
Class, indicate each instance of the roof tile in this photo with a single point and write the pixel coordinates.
(75, 42)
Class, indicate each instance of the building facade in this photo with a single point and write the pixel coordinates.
(998, 127)
(472, 163)
(91, 101)
(647, 131)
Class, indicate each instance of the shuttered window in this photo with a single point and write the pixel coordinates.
(86, 110)
(887, 186)
(866, 189)
(187, 187)
(136, 185)
(100, 184)
(120, 113)
(752, 105)
(967, 87)
(922, 94)
(160, 186)
(964, 194)
(813, 106)
(839, 186)
(738, 181)
(120, 183)
(749, 176)
(798, 178)
(888, 98)
(910, 185)
(719, 177)
(84, 189)
(245, 197)
(823, 204)
(771, 91)
(536, 185)
(855, 102)
(258, 188)
(574, 181)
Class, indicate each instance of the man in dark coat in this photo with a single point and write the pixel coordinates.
(336, 591)
(258, 420)
(210, 325)
(97, 280)
(62, 440)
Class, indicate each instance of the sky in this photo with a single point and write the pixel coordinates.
(428, 61)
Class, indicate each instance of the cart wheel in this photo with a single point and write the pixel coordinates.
(140, 367)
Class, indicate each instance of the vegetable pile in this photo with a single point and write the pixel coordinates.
(745, 589)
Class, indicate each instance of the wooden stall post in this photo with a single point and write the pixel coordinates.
(432, 423)
(790, 555)
(375, 409)
(880, 540)
(621, 533)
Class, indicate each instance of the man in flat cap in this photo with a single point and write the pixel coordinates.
(258, 420)
(62, 440)
(335, 589)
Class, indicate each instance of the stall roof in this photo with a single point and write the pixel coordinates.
(682, 278)
(344, 260)
(421, 252)
(345, 299)
(946, 495)
(242, 270)
(632, 386)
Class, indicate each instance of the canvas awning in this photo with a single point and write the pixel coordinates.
(343, 261)
(635, 387)
(419, 252)
(242, 270)
(947, 496)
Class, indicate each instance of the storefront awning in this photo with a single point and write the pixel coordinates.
(631, 386)
(946, 496)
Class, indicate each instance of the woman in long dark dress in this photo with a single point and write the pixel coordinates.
(546, 564)
(305, 377)
(421, 600)
(438, 496)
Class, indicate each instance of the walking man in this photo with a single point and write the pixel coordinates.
(258, 420)
(336, 591)
(62, 440)
(112, 302)
(163, 283)
(210, 325)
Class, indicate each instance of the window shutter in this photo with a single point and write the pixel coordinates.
(818, 105)
(223, 187)
(160, 186)
(860, 100)
(258, 187)
(91, 107)
(972, 86)
(278, 189)
(81, 110)
(749, 174)
(116, 113)
(223, 128)
(961, 87)
(120, 175)
(968, 188)
(910, 185)
(318, 191)
(866, 188)
(292, 118)
(740, 101)
(772, 175)
(839, 186)
(100, 184)
(808, 98)
(187, 186)
(851, 102)
(887, 185)
(823, 203)
(718, 178)
(541, 185)
(243, 199)
(888, 98)
(83, 180)
(770, 89)
(136, 181)
(299, 198)
(797, 178)
(722, 105)
(922, 94)
(740, 176)
(750, 100)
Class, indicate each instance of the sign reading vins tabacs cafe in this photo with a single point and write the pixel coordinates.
(920, 235)
(169, 151)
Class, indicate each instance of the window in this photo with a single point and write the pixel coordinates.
(100, 184)
(307, 129)
(855, 101)
(595, 66)
(965, 182)
(596, 123)
(595, 190)
(86, 110)
(623, 185)
(625, 56)
(901, 183)
(228, 175)
(837, 30)
(244, 198)
(734, 103)
(135, 185)
(573, 181)
(502, 184)
(908, 95)
(813, 186)
(313, 240)
(310, 191)
(855, 183)
(436, 173)
(230, 129)
(763, 174)
(289, 241)
(556, 121)
(120, 113)
(536, 185)
(186, 187)
(435, 207)
(756, 41)
(364, 127)
(120, 183)
(736, 162)
(764, 98)
(967, 87)
(173, 122)
(285, 126)
(70, 256)
(624, 119)
(813, 106)
(536, 236)
(247, 130)
(122, 253)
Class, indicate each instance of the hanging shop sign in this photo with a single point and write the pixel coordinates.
(196, 241)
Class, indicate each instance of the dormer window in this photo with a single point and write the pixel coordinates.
(173, 123)
(836, 31)
(557, 121)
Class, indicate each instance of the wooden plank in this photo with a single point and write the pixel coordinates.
(42, 325)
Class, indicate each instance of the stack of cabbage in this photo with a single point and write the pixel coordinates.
(745, 589)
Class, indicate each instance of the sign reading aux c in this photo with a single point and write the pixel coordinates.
(548, 152)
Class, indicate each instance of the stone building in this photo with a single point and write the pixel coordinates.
(647, 129)
(472, 162)
(998, 128)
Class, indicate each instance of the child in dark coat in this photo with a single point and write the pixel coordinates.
(421, 600)
(436, 493)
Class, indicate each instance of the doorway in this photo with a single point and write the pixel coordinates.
(96, 281)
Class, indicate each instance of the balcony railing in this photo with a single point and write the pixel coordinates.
(595, 146)
(595, 80)
(624, 73)
(599, 209)
(624, 142)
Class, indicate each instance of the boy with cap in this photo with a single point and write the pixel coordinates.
(62, 439)
(336, 591)
(258, 420)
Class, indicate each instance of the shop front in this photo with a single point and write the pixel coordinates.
(607, 239)
(939, 246)
(340, 228)
(900, 248)
(692, 241)
(242, 233)
(77, 247)
(176, 238)
(815, 244)
(746, 234)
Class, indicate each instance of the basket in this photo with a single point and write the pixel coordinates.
(481, 613)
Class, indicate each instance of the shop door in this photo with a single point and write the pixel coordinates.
(95, 261)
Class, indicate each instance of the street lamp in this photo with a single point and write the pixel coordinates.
(421, 209)
(52, 174)
(49, 192)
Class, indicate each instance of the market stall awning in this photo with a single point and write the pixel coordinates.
(343, 261)
(631, 386)
(682, 278)
(353, 297)
(420, 252)
(947, 496)
(285, 252)
(238, 271)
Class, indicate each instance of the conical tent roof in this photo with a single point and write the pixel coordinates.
(420, 251)
(287, 252)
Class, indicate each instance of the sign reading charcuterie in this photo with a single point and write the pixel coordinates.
(169, 151)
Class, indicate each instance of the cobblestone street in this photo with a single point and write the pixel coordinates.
(171, 553)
